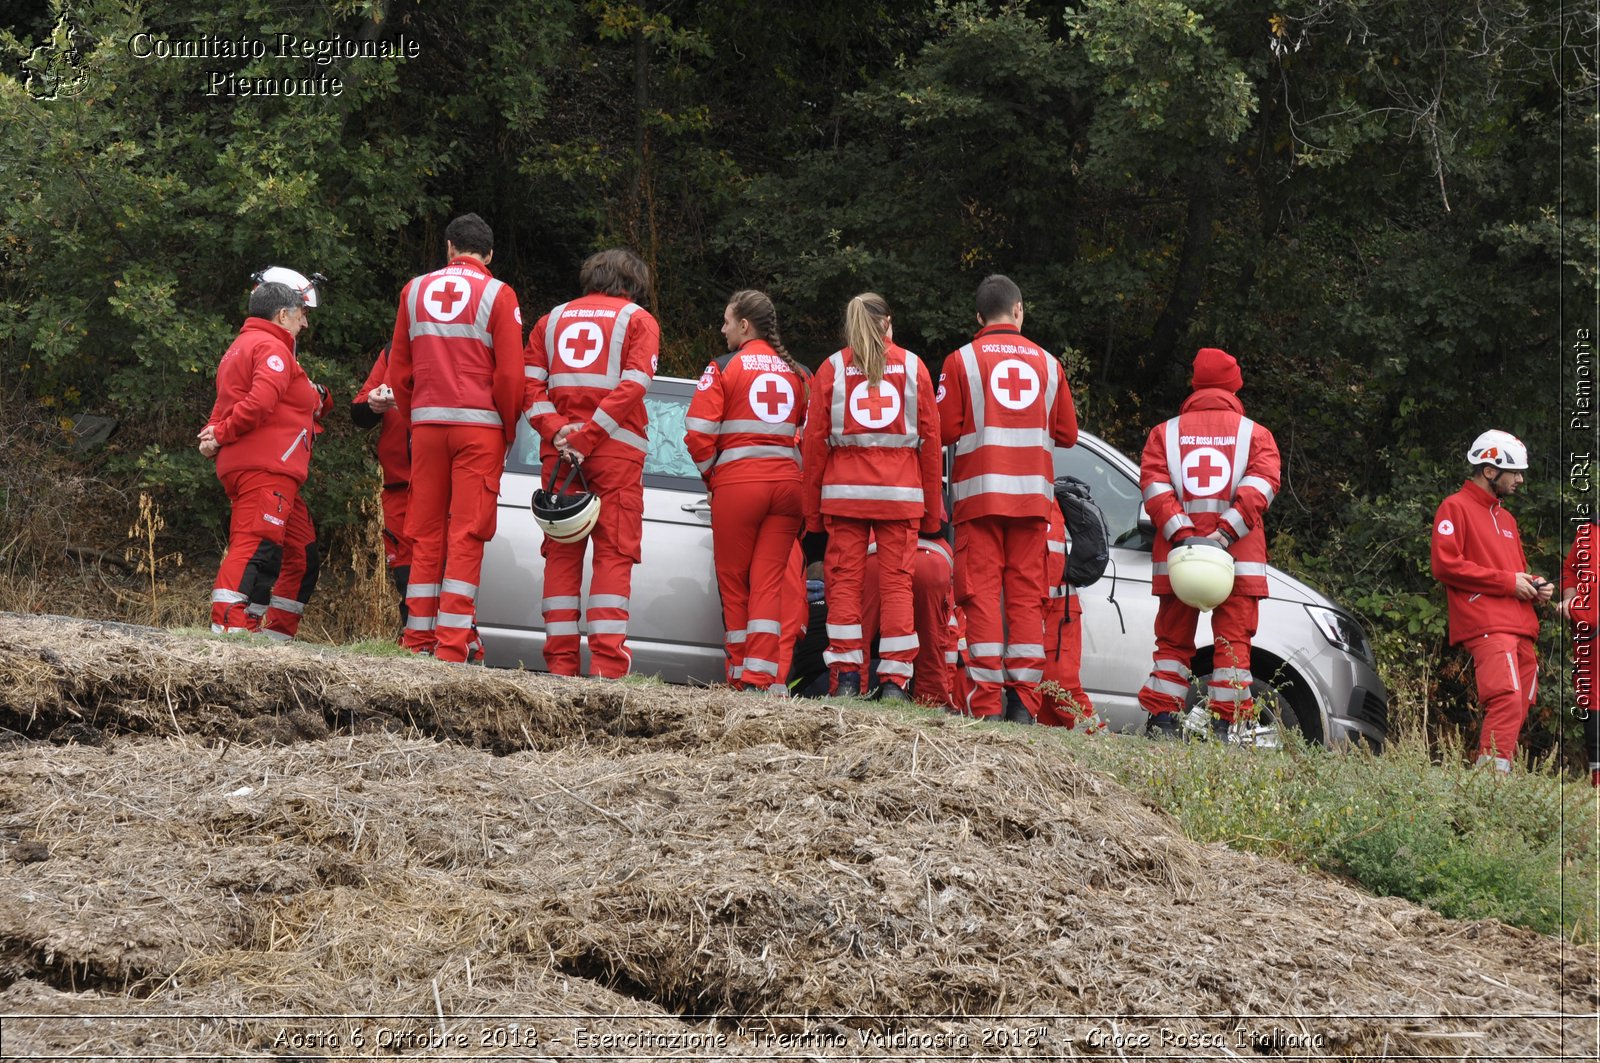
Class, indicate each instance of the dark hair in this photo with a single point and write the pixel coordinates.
(617, 272)
(267, 299)
(470, 235)
(997, 294)
(866, 319)
(756, 308)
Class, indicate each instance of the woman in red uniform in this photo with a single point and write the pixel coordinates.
(871, 474)
(743, 432)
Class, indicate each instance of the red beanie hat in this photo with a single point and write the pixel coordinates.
(1215, 368)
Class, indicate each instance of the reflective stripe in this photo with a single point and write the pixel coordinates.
(455, 619)
(765, 627)
(550, 324)
(632, 439)
(733, 454)
(736, 671)
(451, 332)
(1231, 675)
(702, 424)
(785, 429)
(1249, 568)
(1156, 489)
(293, 446)
(1233, 520)
(703, 467)
(579, 380)
(936, 546)
(459, 586)
(619, 335)
(847, 657)
(419, 623)
(1060, 590)
(218, 629)
(541, 408)
(277, 636)
(223, 595)
(1176, 523)
(491, 292)
(844, 631)
(901, 668)
(951, 657)
(255, 610)
(560, 601)
(898, 643)
(986, 649)
(608, 627)
(1230, 694)
(990, 436)
(1260, 484)
(1056, 546)
(1206, 505)
(874, 439)
(838, 437)
(422, 590)
(1025, 675)
(1174, 458)
(287, 605)
(561, 627)
(734, 637)
(1175, 667)
(986, 675)
(997, 483)
(1024, 649)
(760, 667)
(1499, 763)
(1241, 454)
(872, 494)
(1166, 686)
(607, 423)
(454, 414)
(636, 376)
(605, 601)
(536, 372)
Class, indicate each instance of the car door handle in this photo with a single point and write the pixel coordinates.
(701, 508)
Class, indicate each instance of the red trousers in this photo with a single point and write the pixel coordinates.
(1002, 558)
(396, 544)
(270, 569)
(1063, 667)
(754, 528)
(1233, 625)
(931, 607)
(616, 538)
(1507, 672)
(843, 569)
(455, 492)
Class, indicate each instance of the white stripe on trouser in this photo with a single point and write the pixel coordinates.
(760, 667)
(985, 649)
(1167, 687)
(735, 637)
(605, 601)
(1175, 667)
(844, 631)
(1024, 649)
(898, 643)
(736, 672)
(901, 669)
(461, 587)
(561, 627)
(1229, 693)
(255, 609)
(1024, 675)
(1516, 680)
(419, 623)
(764, 627)
(455, 620)
(422, 590)
(607, 627)
(287, 605)
(1499, 763)
(560, 601)
(1230, 676)
(986, 675)
(224, 596)
(276, 636)
(847, 657)
(218, 629)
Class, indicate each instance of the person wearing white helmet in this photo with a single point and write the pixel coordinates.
(1477, 554)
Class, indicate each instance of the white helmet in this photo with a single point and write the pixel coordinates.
(306, 286)
(1500, 449)
(565, 515)
(1201, 572)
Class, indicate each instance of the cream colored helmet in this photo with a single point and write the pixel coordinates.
(563, 514)
(1500, 449)
(1201, 573)
(306, 286)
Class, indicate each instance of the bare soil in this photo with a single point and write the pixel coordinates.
(230, 849)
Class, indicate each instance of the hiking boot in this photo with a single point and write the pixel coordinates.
(1016, 712)
(1220, 728)
(848, 685)
(1163, 727)
(892, 691)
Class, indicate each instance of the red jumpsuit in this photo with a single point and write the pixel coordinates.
(394, 458)
(455, 364)
(1210, 467)
(1005, 404)
(743, 432)
(1063, 643)
(1476, 554)
(590, 362)
(265, 417)
(932, 607)
(1581, 573)
(871, 473)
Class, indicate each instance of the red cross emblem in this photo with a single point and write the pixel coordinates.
(1205, 471)
(772, 398)
(875, 407)
(446, 297)
(580, 344)
(1015, 384)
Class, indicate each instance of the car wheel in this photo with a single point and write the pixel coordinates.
(1274, 714)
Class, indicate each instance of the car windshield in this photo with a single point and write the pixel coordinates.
(1115, 494)
(667, 463)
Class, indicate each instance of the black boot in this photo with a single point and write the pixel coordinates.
(1164, 727)
(849, 685)
(892, 691)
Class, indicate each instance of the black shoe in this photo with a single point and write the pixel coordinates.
(1220, 728)
(1016, 712)
(1164, 727)
(848, 686)
(892, 691)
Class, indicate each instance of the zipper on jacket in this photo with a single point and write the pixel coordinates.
(293, 446)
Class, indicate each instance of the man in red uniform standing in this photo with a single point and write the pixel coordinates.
(1209, 471)
(260, 432)
(589, 363)
(374, 407)
(456, 369)
(1005, 404)
(1477, 555)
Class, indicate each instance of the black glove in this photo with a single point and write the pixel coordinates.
(813, 545)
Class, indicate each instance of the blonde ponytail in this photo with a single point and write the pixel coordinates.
(866, 319)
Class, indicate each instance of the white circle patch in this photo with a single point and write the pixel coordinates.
(580, 344)
(1205, 472)
(516, 312)
(274, 363)
(1014, 384)
(1446, 528)
(772, 397)
(446, 297)
(705, 379)
(875, 407)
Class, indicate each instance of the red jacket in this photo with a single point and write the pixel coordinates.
(1004, 403)
(873, 455)
(1201, 471)
(267, 409)
(1581, 572)
(590, 362)
(456, 354)
(1477, 553)
(744, 421)
(394, 452)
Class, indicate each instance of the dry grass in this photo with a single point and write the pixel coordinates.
(242, 828)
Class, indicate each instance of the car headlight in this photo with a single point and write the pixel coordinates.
(1342, 631)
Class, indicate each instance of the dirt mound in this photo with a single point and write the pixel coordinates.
(411, 858)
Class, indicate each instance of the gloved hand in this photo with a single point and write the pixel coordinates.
(814, 545)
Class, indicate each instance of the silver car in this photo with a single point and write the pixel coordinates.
(1312, 663)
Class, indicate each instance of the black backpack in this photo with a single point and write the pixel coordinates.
(1091, 539)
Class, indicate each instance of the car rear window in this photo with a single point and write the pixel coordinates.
(667, 464)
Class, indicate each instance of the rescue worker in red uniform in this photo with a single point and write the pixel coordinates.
(1209, 471)
(871, 473)
(455, 365)
(1064, 702)
(743, 432)
(374, 407)
(932, 604)
(260, 432)
(1477, 555)
(589, 363)
(1005, 404)
(1580, 604)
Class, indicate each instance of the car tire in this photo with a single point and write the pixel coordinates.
(1273, 711)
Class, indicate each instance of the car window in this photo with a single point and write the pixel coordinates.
(667, 462)
(1113, 490)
